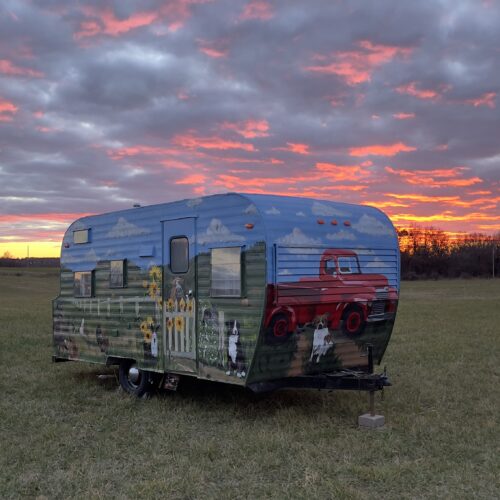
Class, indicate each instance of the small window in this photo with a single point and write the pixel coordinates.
(331, 267)
(81, 236)
(179, 255)
(82, 285)
(349, 265)
(117, 273)
(226, 272)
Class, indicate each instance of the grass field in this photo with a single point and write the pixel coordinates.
(66, 433)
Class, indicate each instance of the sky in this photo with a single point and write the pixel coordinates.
(105, 104)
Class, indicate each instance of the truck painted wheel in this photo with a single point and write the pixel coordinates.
(354, 322)
(133, 380)
(278, 329)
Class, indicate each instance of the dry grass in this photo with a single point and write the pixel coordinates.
(65, 433)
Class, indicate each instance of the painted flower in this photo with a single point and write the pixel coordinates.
(190, 306)
(170, 304)
(145, 284)
(153, 290)
(170, 324)
(144, 327)
(155, 273)
(179, 323)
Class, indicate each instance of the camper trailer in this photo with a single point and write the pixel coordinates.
(253, 290)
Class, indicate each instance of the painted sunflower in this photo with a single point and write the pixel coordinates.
(179, 323)
(170, 304)
(190, 306)
(147, 336)
(155, 273)
(153, 290)
(170, 324)
(144, 327)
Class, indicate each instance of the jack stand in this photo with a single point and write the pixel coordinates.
(371, 420)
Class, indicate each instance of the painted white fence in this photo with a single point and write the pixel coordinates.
(179, 330)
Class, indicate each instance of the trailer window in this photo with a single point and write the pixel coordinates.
(179, 255)
(117, 273)
(81, 236)
(82, 284)
(226, 272)
(349, 265)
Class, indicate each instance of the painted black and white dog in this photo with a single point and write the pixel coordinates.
(235, 356)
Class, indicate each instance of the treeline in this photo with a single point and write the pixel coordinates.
(29, 262)
(429, 253)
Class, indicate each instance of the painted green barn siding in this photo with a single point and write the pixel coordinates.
(247, 310)
(106, 324)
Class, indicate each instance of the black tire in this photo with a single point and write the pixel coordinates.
(278, 330)
(136, 382)
(353, 323)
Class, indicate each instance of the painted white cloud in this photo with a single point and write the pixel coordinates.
(90, 256)
(124, 229)
(273, 211)
(285, 272)
(326, 210)
(194, 202)
(218, 233)
(301, 214)
(297, 237)
(372, 226)
(251, 210)
(377, 263)
(341, 235)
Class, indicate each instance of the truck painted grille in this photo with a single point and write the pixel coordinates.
(378, 307)
(382, 294)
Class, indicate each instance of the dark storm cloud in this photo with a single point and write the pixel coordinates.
(103, 104)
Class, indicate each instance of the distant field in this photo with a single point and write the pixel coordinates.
(65, 433)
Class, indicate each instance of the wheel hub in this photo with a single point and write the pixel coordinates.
(134, 375)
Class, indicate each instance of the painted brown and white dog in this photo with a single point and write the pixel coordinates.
(323, 339)
(235, 356)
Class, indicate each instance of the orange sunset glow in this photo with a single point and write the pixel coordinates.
(107, 105)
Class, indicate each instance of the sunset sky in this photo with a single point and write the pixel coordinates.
(104, 104)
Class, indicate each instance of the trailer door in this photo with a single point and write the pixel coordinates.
(179, 294)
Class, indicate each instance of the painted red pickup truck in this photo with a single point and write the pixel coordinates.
(341, 295)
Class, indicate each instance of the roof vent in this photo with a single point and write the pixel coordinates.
(137, 205)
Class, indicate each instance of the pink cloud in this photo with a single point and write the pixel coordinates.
(249, 129)
(191, 141)
(403, 116)
(257, 9)
(7, 110)
(105, 22)
(486, 99)
(9, 68)
(297, 148)
(415, 90)
(381, 149)
(357, 66)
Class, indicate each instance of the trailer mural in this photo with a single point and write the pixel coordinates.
(319, 282)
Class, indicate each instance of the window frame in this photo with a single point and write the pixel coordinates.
(241, 273)
(179, 237)
(80, 295)
(81, 231)
(123, 273)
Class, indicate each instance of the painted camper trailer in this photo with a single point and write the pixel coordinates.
(254, 290)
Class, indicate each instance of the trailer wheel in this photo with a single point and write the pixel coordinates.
(134, 381)
(278, 329)
(354, 322)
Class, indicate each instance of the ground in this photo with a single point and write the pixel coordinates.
(66, 433)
